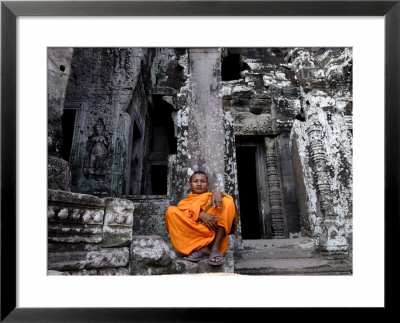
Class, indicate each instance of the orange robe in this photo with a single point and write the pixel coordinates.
(187, 233)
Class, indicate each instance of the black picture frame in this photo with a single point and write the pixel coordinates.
(10, 10)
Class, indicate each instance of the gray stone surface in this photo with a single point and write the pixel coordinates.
(59, 174)
(91, 272)
(74, 218)
(71, 198)
(104, 82)
(289, 196)
(330, 159)
(58, 72)
(87, 235)
(206, 133)
(226, 267)
(298, 256)
(309, 266)
(182, 266)
(149, 216)
(200, 120)
(150, 255)
(118, 221)
(277, 249)
(76, 260)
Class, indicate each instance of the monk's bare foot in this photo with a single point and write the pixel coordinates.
(201, 253)
(216, 258)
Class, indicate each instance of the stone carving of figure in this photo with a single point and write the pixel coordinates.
(96, 150)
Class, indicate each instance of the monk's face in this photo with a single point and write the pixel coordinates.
(199, 184)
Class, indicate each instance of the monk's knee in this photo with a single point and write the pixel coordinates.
(228, 203)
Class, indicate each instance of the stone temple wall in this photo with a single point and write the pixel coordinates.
(107, 91)
(299, 101)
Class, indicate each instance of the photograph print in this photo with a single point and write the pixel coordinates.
(200, 160)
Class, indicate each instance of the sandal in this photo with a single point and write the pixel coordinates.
(218, 255)
(197, 256)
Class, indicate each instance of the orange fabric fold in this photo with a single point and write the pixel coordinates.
(187, 233)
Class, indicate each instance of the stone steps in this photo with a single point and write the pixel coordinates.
(285, 257)
(299, 266)
(203, 266)
(152, 255)
(276, 249)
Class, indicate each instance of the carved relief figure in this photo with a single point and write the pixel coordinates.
(96, 152)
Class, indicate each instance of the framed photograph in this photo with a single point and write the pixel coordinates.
(355, 48)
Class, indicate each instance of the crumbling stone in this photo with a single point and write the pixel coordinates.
(88, 233)
(59, 174)
(118, 220)
(150, 255)
(75, 260)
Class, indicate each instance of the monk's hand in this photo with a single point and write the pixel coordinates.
(216, 199)
(209, 220)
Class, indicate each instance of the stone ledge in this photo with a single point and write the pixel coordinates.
(91, 272)
(70, 199)
(152, 255)
(291, 267)
(77, 260)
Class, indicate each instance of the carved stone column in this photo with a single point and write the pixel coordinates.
(206, 119)
(278, 223)
(231, 185)
(323, 145)
(318, 159)
(331, 163)
(200, 120)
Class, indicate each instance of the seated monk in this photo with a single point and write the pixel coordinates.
(200, 224)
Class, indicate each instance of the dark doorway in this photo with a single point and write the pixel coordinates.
(231, 67)
(159, 179)
(163, 135)
(162, 143)
(248, 194)
(68, 125)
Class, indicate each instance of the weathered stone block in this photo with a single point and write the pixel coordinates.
(69, 198)
(185, 267)
(118, 220)
(77, 260)
(149, 216)
(74, 218)
(260, 105)
(247, 123)
(74, 233)
(150, 255)
(59, 174)
(122, 271)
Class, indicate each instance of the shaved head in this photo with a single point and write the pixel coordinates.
(198, 172)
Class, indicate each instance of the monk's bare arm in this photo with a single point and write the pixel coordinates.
(216, 198)
(209, 220)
